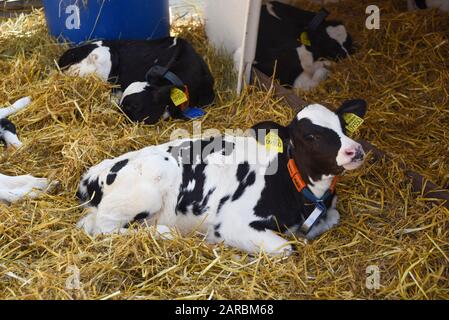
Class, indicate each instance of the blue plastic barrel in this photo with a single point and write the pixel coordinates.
(81, 20)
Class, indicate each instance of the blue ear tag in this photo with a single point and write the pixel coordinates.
(194, 113)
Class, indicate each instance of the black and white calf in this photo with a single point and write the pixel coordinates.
(297, 45)
(15, 188)
(241, 190)
(148, 72)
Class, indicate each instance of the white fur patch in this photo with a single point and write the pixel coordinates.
(339, 34)
(135, 87)
(97, 62)
(175, 41)
(11, 139)
(271, 11)
(314, 71)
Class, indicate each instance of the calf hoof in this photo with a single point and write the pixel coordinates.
(13, 147)
(41, 184)
(163, 232)
(87, 223)
(284, 250)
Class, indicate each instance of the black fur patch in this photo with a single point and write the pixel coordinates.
(245, 178)
(262, 225)
(75, 55)
(114, 170)
(222, 202)
(7, 125)
(141, 216)
(111, 178)
(216, 232)
(119, 166)
(191, 197)
(138, 217)
(197, 151)
(94, 189)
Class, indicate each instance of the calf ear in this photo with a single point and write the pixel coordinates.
(260, 130)
(356, 106)
(162, 95)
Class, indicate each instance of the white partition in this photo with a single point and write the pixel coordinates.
(233, 26)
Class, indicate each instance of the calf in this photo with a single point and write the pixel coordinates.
(159, 78)
(14, 188)
(239, 190)
(297, 45)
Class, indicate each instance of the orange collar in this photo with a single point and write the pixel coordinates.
(298, 180)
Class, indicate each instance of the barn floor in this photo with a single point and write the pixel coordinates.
(401, 70)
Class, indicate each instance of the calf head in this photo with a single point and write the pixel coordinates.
(330, 40)
(320, 143)
(149, 103)
(92, 58)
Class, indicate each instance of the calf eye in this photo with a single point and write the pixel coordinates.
(313, 137)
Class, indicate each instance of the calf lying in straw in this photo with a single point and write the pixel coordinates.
(159, 78)
(239, 190)
(298, 45)
(14, 188)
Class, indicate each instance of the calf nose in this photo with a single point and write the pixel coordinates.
(355, 153)
(350, 152)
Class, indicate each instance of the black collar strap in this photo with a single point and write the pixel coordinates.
(320, 206)
(158, 71)
(318, 19)
(163, 72)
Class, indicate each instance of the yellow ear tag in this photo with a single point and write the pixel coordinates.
(274, 142)
(178, 96)
(304, 39)
(353, 122)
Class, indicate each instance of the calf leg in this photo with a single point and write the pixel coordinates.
(13, 189)
(248, 239)
(121, 204)
(332, 218)
(126, 189)
(16, 107)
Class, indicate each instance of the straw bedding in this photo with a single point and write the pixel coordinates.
(401, 70)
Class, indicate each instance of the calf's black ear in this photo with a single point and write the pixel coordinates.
(162, 94)
(260, 130)
(356, 106)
